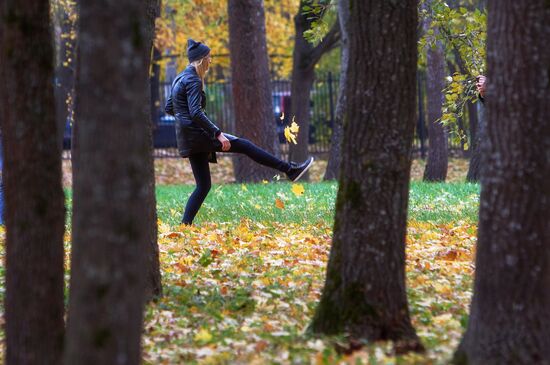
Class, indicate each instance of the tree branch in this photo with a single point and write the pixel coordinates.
(328, 43)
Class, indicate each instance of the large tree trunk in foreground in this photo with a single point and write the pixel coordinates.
(35, 211)
(110, 186)
(335, 153)
(436, 166)
(153, 282)
(510, 313)
(254, 118)
(304, 58)
(364, 293)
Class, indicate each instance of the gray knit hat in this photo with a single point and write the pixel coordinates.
(196, 50)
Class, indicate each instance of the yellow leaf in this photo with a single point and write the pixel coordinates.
(289, 136)
(294, 127)
(244, 188)
(264, 181)
(298, 189)
(279, 203)
(203, 336)
(292, 132)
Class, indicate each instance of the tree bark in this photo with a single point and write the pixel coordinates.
(510, 312)
(476, 161)
(155, 80)
(254, 118)
(304, 58)
(436, 166)
(364, 293)
(34, 211)
(335, 153)
(111, 189)
(421, 126)
(153, 283)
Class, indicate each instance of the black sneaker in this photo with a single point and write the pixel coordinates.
(297, 171)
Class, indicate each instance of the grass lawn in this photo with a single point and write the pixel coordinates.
(429, 202)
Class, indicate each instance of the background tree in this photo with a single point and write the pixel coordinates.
(35, 212)
(153, 282)
(209, 23)
(110, 186)
(364, 293)
(510, 312)
(436, 166)
(476, 165)
(334, 159)
(251, 85)
(304, 58)
(461, 27)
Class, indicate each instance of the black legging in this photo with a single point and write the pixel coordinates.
(201, 172)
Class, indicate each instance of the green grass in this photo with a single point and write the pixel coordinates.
(433, 202)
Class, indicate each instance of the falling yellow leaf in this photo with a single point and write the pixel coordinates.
(294, 127)
(289, 136)
(298, 189)
(279, 203)
(264, 181)
(292, 132)
(244, 188)
(203, 336)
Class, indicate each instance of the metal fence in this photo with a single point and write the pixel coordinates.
(323, 97)
(219, 108)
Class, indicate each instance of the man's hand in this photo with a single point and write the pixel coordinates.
(226, 145)
(480, 85)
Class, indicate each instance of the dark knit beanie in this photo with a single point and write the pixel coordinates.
(196, 50)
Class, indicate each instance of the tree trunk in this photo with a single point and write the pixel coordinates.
(364, 293)
(153, 283)
(300, 89)
(436, 166)
(473, 125)
(476, 161)
(421, 126)
(254, 118)
(111, 186)
(155, 82)
(335, 154)
(35, 212)
(510, 312)
(304, 58)
(476, 129)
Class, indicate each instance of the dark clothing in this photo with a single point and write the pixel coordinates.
(197, 136)
(201, 172)
(195, 132)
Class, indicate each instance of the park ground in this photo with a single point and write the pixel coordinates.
(241, 286)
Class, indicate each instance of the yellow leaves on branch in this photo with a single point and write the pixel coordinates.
(291, 132)
(209, 24)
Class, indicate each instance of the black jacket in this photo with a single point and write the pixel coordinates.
(195, 132)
